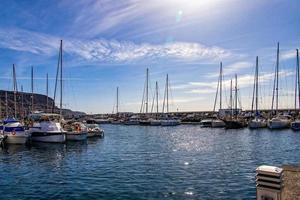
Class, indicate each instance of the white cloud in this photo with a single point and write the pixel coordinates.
(244, 81)
(232, 68)
(288, 55)
(108, 50)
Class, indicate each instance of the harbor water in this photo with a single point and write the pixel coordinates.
(135, 162)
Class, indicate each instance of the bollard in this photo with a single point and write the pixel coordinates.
(268, 183)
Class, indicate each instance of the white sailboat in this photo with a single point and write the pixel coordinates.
(234, 122)
(217, 122)
(168, 121)
(144, 120)
(46, 127)
(94, 130)
(13, 129)
(155, 121)
(15, 132)
(295, 125)
(257, 122)
(279, 121)
(76, 131)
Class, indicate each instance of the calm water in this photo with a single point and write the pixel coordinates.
(131, 162)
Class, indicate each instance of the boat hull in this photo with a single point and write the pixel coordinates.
(131, 123)
(91, 134)
(145, 123)
(48, 137)
(295, 126)
(278, 124)
(170, 123)
(72, 136)
(16, 139)
(155, 123)
(206, 123)
(257, 124)
(234, 124)
(218, 124)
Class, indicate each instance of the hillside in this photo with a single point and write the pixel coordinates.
(24, 104)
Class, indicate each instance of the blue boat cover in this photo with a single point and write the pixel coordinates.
(9, 120)
(11, 129)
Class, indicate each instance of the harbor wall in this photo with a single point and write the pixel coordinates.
(291, 183)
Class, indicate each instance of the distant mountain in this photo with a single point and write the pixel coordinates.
(24, 104)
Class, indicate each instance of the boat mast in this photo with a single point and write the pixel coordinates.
(22, 101)
(117, 108)
(235, 95)
(167, 86)
(32, 107)
(298, 76)
(0, 107)
(6, 104)
(56, 80)
(156, 91)
(231, 104)
(47, 93)
(217, 92)
(256, 87)
(221, 80)
(61, 80)
(15, 91)
(147, 89)
(277, 72)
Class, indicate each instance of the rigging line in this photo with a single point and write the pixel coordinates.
(163, 108)
(298, 75)
(254, 90)
(56, 81)
(216, 96)
(171, 94)
(152, 104)
(143, 98)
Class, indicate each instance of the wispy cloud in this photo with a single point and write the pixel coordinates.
(232, 68)
(108, 50)
(244, 81)
(288, 55)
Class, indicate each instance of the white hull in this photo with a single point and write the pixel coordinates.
(155, 122)
(278, 124)
(95, 134)
(76, 136)
(218, 124)
(50, 138)
(257, 124)
(295, 125)
(131, 123)
(91, 134)
(170, 122)
(16, 139)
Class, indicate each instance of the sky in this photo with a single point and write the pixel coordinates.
(109, 44)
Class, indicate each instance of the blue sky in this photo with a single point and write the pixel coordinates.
(111, 43)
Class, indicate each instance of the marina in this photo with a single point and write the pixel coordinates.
(147, 162)
(150, 100)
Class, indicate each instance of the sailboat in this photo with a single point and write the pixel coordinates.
(116, 119)
(234, 122)
(155, 121)
(13, 129)
(46, 127)
(295, 125)
(217, 122)
(144, 121)
(279, 121)
(257, 122)
(168, 121)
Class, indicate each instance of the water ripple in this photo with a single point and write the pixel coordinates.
(132, 162)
